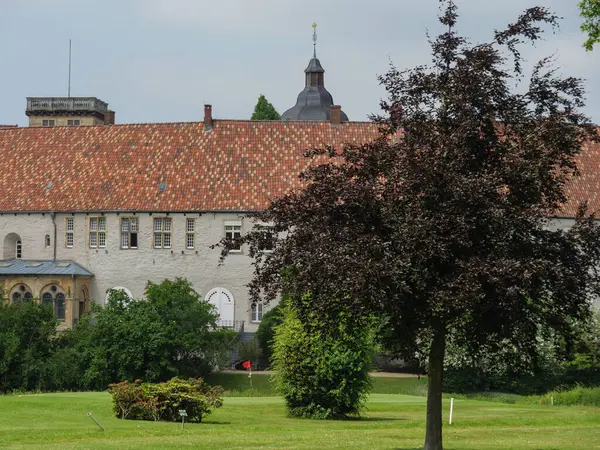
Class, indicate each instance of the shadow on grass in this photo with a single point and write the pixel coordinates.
(374, 419)
(208, 422)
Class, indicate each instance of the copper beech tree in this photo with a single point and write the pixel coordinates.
(442, 225)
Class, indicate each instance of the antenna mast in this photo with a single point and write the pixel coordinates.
(69, 91)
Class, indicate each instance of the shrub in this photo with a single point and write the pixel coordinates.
(504, 368)
(576, 396)
(163, 401)
(322, 364)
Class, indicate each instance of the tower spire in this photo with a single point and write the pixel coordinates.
(314, 25)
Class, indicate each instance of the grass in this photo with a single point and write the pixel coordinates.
(59, 421)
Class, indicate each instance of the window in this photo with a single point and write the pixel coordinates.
(60, 306)
(47, 298)
(18, 249)
(97, 232)
(129, 232)
(267, 242)
(162, 232)
(21, 294)
(257, 312)
(48, 123)
(190, 236)
(73, 122)
(69, 229)
(47, 240)
(55, 296)
(234, 231)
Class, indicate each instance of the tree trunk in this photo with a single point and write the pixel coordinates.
(433, 436)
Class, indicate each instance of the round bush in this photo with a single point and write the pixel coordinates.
(322, 366)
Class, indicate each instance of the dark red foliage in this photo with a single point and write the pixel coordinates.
(442, 225)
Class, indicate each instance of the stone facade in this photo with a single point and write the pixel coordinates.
(75, 289)
(131, 269)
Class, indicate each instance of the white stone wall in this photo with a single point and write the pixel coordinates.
(133, 268)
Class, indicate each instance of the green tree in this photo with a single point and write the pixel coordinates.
(27, 331)
(172, 332)
(442, 224)
(321, 362)
(264, 110)
(590, 11)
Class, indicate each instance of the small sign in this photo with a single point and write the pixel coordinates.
(183, 413)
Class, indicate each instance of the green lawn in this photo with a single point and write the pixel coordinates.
(59, 421)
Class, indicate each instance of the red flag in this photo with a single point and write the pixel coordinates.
(247, 364)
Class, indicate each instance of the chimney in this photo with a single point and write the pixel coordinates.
(335, 115)
(208, 121)
(109, 117)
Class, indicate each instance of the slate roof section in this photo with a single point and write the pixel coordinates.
(314, 102)
(167, 167)
(39, 267)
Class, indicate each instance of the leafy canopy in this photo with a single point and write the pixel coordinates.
(264, 110)
(172, 332)
(590, 11)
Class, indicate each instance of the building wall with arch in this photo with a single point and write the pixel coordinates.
(72, 288)
(133, 268)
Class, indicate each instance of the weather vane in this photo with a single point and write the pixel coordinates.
(314, 25)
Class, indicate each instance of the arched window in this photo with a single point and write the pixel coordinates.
(55, 296)
(10, 246)
(47, 298)
(47, 240)
(20, 294)
(60, 306)
(18, 249)
(126, 291)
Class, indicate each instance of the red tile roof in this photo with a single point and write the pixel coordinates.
(585, 187)
(238, 166)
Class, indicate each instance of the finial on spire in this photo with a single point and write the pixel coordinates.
(314, 25)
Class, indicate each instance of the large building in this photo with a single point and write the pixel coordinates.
(68, 111)
(89, 208)
(85, 209)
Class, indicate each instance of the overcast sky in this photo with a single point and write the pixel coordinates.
(161, 60)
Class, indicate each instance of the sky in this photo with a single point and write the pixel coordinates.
(162, 60)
